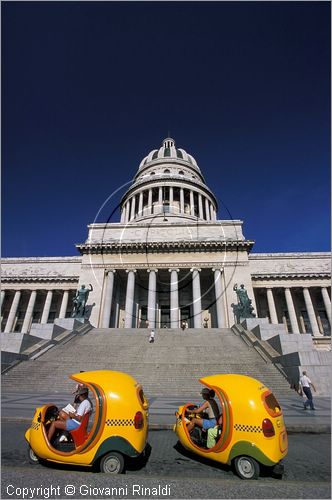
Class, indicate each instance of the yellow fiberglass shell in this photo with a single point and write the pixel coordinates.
(246, 403)
(118, 399)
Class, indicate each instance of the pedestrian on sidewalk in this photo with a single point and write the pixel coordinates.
(305, 384)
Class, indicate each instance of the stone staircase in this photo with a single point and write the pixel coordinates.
(171, 366)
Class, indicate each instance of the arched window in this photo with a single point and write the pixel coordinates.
(181, 172)
(167, 171)
(153, 173)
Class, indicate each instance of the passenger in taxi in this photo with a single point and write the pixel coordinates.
(210, 410)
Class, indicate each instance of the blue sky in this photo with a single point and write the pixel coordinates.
(89, 88)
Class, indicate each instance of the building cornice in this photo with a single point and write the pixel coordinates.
(290, 255)
(33, 260)
(39, 279)
(287, 276)
(165, 247)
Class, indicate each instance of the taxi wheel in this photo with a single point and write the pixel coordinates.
(246, 467)
(112, 463)
(33, 458)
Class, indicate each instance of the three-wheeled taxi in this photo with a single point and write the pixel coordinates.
(119, 428)
(252, 431)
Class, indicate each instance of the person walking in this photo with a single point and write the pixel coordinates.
(305, 384)
(151, 339)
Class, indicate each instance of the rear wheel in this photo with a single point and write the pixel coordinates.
(33, 458)
(112, 463)
(246, 467)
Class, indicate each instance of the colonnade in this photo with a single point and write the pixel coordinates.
(303, 294)
(195, 303)
(293, 301)
(170, 199)
(28, 312)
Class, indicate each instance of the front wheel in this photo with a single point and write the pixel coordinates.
(112, 463)
(246, 467)
(32, 457)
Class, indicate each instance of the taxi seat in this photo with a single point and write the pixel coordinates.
(80, 434)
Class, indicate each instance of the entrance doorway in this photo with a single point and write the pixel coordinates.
(165, 318)
(185, 315)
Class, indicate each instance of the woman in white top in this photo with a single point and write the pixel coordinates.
(210, 408)
(71, 421)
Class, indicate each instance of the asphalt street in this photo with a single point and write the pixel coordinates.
(307, 473)
(20, 406)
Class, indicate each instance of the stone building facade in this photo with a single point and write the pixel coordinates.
(169, 259)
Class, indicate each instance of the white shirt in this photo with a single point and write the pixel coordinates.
(83, 408)
(305, 381)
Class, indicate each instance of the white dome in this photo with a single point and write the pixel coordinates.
(168, 151)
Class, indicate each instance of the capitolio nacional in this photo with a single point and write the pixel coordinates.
(172, 263)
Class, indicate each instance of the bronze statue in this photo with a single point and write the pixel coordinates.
(80, 300)
(243, 309)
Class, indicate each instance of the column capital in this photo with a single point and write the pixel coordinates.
(174, 269)
(195, 269)
(152, 269)
(221, 269)
(131, 270)
(107, 271)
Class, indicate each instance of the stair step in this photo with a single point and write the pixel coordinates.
(172, 365)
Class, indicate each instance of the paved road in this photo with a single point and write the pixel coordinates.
(21, 406)
(307, 472)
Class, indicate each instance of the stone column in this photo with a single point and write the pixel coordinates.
(152, 295)
(160, 199)
(200, 206)
(197, 303)
(291, 311)
(192, 205)
(311, 313)
(127, 206)
(181, 201)
(272, 307)
(64, 304)
(122, 220)
(174, 288)
(149, 208)
(219, 298)
(207, 209)
(3, 294)
(105, 321)
(214, 214)
(133, 207)
(327, 302)
(12, 312)
(140, 204)
(29, 312)
(171, 199)
(47, 307)
(130, 298)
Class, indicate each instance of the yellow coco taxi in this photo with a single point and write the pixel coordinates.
(251, 431)
(118, 427)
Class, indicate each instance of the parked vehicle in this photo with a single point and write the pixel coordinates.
(118, 431)
(252, 434)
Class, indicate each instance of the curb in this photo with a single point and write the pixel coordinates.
(291, 429)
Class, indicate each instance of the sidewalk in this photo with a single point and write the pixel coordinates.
(18, 406)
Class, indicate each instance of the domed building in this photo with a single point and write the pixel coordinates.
(170, 259)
